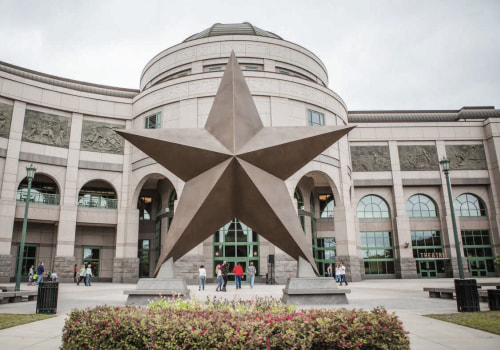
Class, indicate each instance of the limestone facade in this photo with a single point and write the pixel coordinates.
(98, 199)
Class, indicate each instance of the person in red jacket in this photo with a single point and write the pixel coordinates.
(238, 274)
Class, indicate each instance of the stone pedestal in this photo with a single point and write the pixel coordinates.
(165, 285)
(5, 268)
(308, 289)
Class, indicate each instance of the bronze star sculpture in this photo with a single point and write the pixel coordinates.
(235, 168)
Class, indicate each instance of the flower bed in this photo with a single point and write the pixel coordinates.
(257, 324)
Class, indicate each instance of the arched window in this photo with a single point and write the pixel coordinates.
(469, 205)
(372, 207)
(421, 206)
(97, 194)
(43, 190)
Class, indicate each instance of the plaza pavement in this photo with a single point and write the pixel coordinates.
(404, 297)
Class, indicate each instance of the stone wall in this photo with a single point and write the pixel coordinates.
(63, 266)
(125, 270)
(5, 263)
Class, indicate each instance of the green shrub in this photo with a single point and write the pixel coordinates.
(217, 324)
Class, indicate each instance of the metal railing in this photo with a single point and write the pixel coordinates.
(101, 203)
(38, 197)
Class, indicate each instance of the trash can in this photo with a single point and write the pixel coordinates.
(494, 299)
(46, 301)
(467, 295)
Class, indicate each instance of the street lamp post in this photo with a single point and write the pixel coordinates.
(445, 163)
(30, 174)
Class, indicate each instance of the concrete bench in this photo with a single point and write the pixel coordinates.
(488, 284)
(15, 297)
(449, 293)
(6, 288)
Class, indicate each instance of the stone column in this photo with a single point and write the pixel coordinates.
(345, 226)
(405, 262)
(126, 263)
(9, 190)
(65, 251)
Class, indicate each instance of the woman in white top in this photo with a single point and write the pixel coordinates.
(218, 272)
(203, 275)
(89, 274)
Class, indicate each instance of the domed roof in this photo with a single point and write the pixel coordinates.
(232, 29)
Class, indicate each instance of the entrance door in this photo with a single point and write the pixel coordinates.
(477, 268)
(236, 243)
(427, 268)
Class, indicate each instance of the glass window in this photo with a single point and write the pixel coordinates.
(469, 205)
(326, 205)
(479, 252)
(315, 118)
(325, 252)
(300, 206)
(251, 68)
(29, 258)
(97, 194)
(153, 121)
(372, 207)
(214, 69)
(378, 252)
(92, 256)
(420, 206)
(43, 190)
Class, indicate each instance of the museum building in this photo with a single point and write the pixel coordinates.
(377, 200)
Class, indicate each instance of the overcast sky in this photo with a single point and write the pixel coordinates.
(425, 54)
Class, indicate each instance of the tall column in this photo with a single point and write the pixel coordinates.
(346, 233)
(9, 190)
(126, 263)
(65, 250)
(405, 263)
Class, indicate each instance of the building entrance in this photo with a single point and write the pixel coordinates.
(236, 243)
(427, 269)
(477, 268)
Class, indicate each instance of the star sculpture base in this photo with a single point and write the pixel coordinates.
(307, 289)
(164, 285)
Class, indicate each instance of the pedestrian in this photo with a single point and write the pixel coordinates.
(75, 271)
(329, 271)
(251, 272)
(238, 274)
(225, 274)
(30, 275)
(89, 274)
(342, 274)
(202, 274)
(83, 273)
(218, 273)
(337, 273)
(40, 270)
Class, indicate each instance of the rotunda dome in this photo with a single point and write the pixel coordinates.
(232, 29)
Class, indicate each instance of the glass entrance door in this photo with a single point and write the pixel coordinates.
(236, 243)
(427, 269)
(477, 268)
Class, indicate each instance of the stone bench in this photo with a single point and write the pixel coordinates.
(15, 297)
(449, 293)
(6, 288)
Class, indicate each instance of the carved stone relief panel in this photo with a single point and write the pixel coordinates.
(47, 129)
(370, 158)
(101, 137)
(5, 119)
(466, 157)
(417, 157)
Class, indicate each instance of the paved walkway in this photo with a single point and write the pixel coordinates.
(404, 297)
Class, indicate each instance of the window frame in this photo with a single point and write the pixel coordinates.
(310, 118)
(152, 125)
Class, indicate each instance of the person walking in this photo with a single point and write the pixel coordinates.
(337, 273)
(238, 274)
(30, 275)
(40, 270)
(89, 274)
(81, 277)
(225, 274)
(342, 274)
(202, 275)
(218, 273)
(75, 271)
(251, 272)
